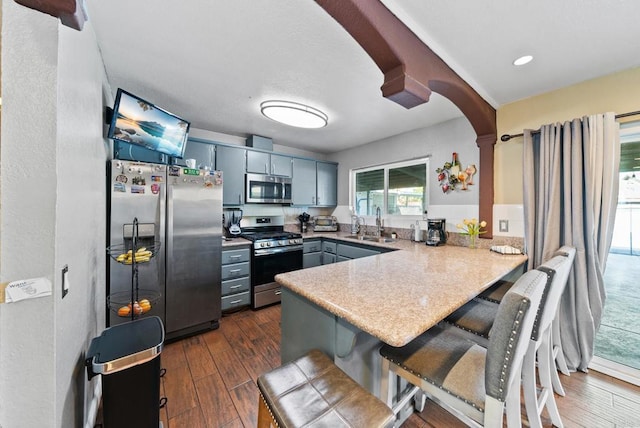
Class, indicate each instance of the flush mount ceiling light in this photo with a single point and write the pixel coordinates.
(294, 114)
(523, 60)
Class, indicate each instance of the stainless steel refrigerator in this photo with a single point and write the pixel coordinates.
(179, 211)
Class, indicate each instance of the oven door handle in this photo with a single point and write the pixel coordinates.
(271, 251)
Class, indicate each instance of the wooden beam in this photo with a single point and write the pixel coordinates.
(70, 12)
(412, 71)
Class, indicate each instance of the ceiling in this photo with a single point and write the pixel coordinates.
(213, 62)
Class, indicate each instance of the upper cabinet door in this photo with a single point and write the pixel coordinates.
(203, 153)
(303, 183)
(281, 165)
(327, 184)
(258, 162)
(231, 161)
(268, 163)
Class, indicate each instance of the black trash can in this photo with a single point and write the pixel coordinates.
(128, 357)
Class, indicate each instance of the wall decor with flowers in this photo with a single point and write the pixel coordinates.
(452, 177)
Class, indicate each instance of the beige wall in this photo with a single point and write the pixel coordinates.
(619, 93)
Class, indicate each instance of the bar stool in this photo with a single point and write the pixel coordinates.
(471, 381)
(313, 391)
(477, 317)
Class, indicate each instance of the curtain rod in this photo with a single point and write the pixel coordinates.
(507, 137)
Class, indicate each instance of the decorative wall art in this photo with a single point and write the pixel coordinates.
(452, 177)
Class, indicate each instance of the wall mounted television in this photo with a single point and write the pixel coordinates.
(139, 122)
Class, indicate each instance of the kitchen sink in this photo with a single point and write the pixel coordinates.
(370, 238)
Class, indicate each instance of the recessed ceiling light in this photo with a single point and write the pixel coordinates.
(294, 114)
(523, 60)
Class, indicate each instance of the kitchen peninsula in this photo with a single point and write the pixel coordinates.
(349, 309)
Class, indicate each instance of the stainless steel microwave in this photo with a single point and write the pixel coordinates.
(268, 189)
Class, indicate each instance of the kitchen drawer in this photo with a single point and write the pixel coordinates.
(236, 300)
(311, 259)
(328, 258)
(235, 270)
(235, 256)
(353, 252)
(235, 285)
(329, 247)
(312, 246)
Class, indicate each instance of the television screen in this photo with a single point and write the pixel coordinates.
(139, 122)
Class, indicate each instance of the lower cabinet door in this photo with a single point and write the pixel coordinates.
(236, 300)
(311, 259)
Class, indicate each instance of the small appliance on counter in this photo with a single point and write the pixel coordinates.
(231, 219)
(325, 223)
(436, 231)
(303, 219)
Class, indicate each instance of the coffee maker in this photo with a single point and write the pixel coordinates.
(436, 231)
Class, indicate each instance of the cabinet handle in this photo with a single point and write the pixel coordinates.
(235, 301)
(313, 199)
(235, 286)
(239, 198)
(234, 271)
(277, 292)
(237, 256)
(273, 168)
(266, 170)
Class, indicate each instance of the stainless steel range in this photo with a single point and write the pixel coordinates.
(274, 251)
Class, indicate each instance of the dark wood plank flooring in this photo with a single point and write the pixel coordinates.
(211, 382)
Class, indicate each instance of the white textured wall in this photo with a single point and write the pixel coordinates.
(81, 153)
(438, 142)
(52, 213)
(28, 198)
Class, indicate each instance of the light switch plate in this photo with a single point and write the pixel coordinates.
(504, 225)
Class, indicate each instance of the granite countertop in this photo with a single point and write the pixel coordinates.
(235, 242)
(398, 295)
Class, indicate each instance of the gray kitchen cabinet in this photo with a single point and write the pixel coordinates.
(203, 153)
(328, 258)
(346, 251)
(231, 161)
(281, 165)
(268, 163)
(236, 278)
(327, 184)
(312, 253)
(329, 249)
(314, 183)
(303, 186)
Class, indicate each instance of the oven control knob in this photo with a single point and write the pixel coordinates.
(262, 244)
(282, 243)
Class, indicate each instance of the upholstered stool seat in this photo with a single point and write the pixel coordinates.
(496, 292)
(313, 392)
(475, 382)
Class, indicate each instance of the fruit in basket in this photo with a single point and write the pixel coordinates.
(137, 309)
(142, 255)
(124, 311)
(145, 304)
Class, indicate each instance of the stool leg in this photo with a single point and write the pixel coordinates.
(264, 415)
(386, 394)
(545, 367)
(529, 386)
(557, 346)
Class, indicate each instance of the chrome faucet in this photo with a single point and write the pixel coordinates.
(379, 223)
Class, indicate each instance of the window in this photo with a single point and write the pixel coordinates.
(403, 185)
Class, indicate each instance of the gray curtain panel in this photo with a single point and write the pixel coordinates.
(570, 198)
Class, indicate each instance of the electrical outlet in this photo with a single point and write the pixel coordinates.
(504, 225)
(65, 280)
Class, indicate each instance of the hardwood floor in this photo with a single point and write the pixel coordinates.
(211, 382)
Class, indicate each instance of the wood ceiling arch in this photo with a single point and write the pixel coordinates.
(412, 71)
